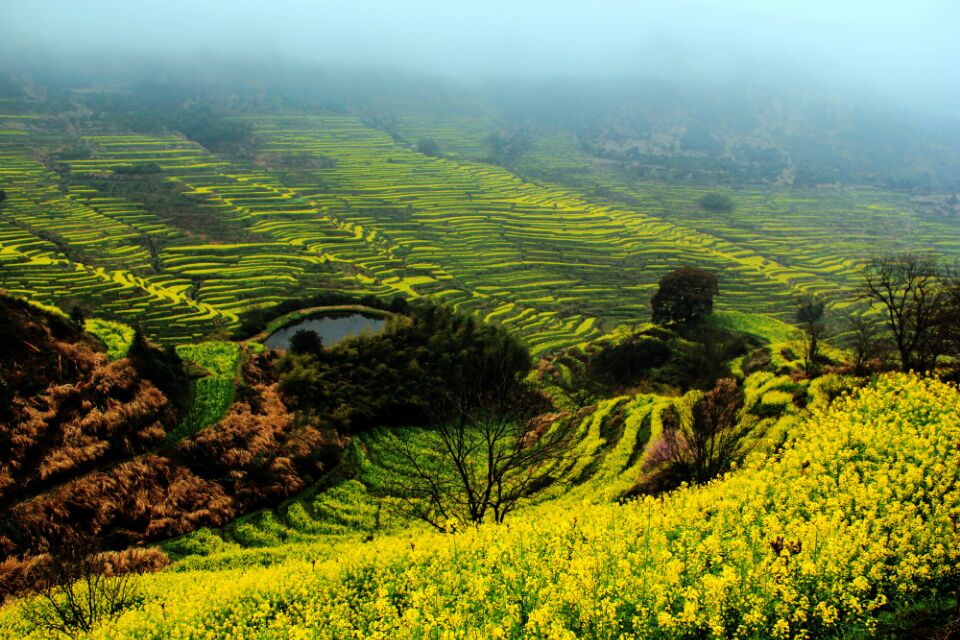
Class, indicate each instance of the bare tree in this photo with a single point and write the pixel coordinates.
(910, 287)
(949, 320)
(809, 313)
(866, 343)
(488, 453)
(705, 437)
(76, 586)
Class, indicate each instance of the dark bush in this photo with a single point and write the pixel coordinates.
(428, 147)
(163, 367)
(305, 341)
(78, 317)
(717, 202)
(141, 168)
(623, 364)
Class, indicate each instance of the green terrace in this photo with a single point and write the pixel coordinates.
(329, 203)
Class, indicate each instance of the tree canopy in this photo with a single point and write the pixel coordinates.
(717, 202)
(684, 296)
(306, 341)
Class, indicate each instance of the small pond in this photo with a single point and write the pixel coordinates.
(332, 329)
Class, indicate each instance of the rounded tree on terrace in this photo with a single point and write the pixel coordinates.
(685, 296)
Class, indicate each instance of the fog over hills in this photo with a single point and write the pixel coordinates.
(895, 51)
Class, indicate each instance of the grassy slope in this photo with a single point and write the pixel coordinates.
(557, 265)
(850, 522)
(540, 259)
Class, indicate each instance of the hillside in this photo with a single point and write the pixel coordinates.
(850, 523)
(146, 225)
(613, 358)
(99, 447)
(738, 133)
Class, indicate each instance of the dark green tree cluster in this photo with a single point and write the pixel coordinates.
(507, 147)
(306, 342)
(402, 374)
(717, 202)
(163, 367)
(626, 362)
(429, 147)
(140, 168)
(684, 296)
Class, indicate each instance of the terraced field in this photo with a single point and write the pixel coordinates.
(329, 203)
(532, 249)
(360, 500)
(809, 238)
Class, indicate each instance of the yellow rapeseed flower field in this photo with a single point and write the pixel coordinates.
(854, 517)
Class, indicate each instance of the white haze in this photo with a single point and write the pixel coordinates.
(903, 52)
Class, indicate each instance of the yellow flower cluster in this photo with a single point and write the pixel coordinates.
(854, 517)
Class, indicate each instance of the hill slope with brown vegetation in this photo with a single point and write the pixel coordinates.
(82, 444)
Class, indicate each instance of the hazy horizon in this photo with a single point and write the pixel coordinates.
(904, 55)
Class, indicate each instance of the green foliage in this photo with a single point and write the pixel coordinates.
(77, 316)
(429, 147)
(506, 147)
(141, 168)
(161, 366)
(210, 396)
(210, 128)
(219, 358)
(624, 363)
(115, 336)
(684, 296)
(398, 375)
(306, 342)
(717, 202)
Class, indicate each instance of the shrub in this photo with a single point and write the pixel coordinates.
(76, 587)
(306, 341)
(717, 202)
(624, 363)
(141, 168)
(428, 147)
(704, 437)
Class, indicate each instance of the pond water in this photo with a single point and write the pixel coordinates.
(332, 329)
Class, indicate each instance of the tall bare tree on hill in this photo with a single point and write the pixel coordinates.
(912, 290)
(810, 309)
(487, 451)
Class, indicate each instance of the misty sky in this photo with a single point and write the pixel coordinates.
(904, 50)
